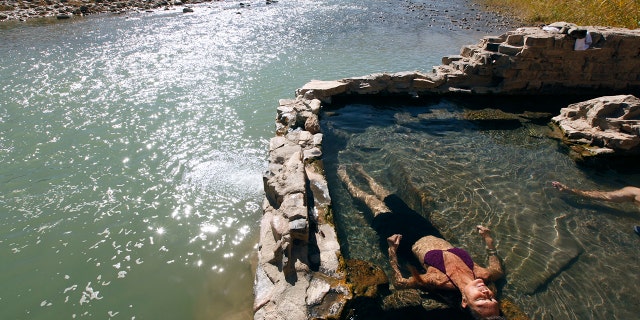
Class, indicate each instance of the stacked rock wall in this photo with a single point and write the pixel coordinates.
(527, 61)
(535, 61)
(300, 272)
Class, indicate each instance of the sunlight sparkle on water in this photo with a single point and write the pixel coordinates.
(209, 228)
(218, 269)
(178, 129)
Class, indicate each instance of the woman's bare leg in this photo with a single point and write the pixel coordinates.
(377, 189)
(376, 205)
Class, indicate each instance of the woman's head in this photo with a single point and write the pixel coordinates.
(479, 300)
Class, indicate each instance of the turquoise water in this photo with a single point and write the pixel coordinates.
(133, 146)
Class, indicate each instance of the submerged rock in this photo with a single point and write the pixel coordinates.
(367, 279)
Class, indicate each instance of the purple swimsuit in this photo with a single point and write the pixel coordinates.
(435, 258)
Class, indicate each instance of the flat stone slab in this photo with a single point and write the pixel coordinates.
(322, 90)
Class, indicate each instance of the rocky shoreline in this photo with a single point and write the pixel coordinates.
(469, 15)
(11, 10)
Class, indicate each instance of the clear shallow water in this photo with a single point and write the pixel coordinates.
(564, 257)
(133, 146)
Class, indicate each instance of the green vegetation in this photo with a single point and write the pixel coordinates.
(615, 13)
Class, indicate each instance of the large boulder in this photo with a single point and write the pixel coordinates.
(602, 126)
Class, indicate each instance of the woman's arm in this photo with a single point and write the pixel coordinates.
(626, 194)
(495, 267)
(400, 282)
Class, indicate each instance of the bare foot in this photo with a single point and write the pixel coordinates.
(342, 173)
(394, 240)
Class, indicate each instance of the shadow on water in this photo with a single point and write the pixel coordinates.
(463, 161)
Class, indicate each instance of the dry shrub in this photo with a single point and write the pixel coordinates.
(615, 13)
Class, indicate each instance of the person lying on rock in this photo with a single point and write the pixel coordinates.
(411, 235)
(626, 194)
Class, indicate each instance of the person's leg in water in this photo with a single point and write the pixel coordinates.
(397, 206)
(375, 204)
(377, 189)
(391, 215)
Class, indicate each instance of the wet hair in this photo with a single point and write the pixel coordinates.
(476, 316)
(415, 274)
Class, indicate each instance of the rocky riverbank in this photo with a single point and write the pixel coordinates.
(11, 10)
(453, 16)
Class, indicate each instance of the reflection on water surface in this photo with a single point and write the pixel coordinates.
(132, 150)
(556, 248)
(133, 146)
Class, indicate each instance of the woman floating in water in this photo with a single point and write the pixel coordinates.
(447, 267)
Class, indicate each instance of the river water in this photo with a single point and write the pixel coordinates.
(133, 146)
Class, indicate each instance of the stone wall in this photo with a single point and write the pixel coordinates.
(527, 61)
(300, 272)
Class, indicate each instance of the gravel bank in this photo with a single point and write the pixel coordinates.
(11, 10)
(453, 15)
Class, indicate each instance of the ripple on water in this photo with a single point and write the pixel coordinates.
(553, 249)
(132, 148)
